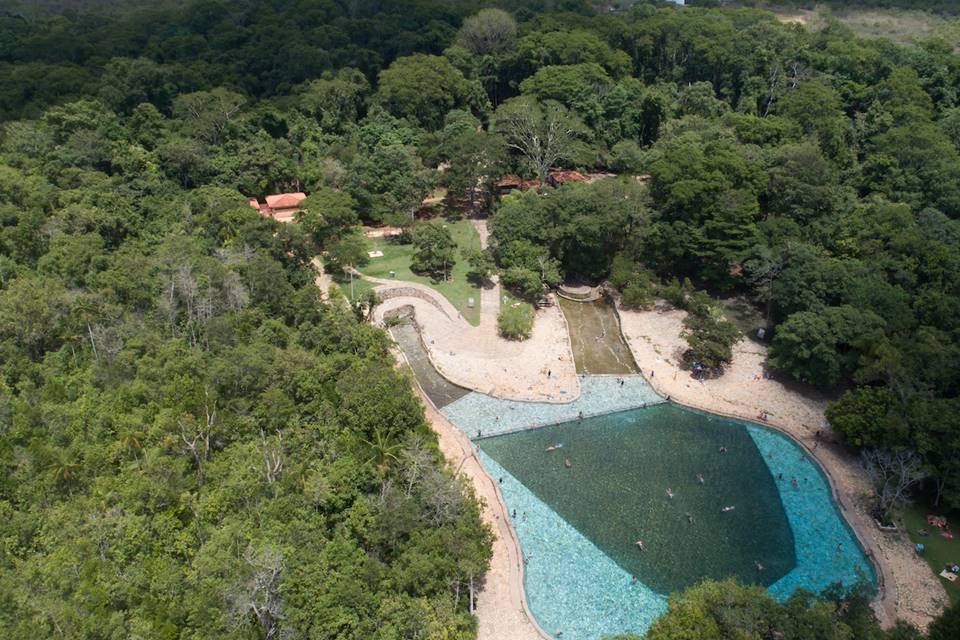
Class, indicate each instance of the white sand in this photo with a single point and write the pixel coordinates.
(911, 591)
(540, 368)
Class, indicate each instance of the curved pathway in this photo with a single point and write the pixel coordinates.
(500, 604)
(540, 368)
(908, 588)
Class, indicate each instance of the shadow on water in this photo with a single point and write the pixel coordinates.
(657, 474)
(598, 346)
(440, 390)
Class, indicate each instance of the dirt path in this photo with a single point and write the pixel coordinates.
(490, 296)
(909, 590)
(323, 279)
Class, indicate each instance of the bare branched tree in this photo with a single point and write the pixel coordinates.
(490, 31)
(272, 451)
(259, 594)
(443, 497)
(417, 461)
(541, 133)
(893, 474)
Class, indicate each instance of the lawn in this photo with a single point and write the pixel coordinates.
(359, 287)
(458, 290)
(939, 550)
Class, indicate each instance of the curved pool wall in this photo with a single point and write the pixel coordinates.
(572, 587)
(827, 550)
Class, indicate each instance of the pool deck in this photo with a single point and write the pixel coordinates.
(908, 589)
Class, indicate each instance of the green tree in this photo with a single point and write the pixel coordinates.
(424, 88)
(336, 99)
(710, 341)
(868, 417)
(434, 250)
(720, 610)
(327, 214)
(820, 348)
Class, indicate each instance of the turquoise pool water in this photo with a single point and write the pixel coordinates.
(576, 524)
(480, 415)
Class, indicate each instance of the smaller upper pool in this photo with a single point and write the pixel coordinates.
(440, 390)
(598, 346)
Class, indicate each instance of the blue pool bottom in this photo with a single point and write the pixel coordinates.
(480, 415)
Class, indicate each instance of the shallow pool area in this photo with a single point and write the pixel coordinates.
(595, 338)
(480, 415)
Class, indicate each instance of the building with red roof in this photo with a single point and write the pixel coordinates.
(281, 206)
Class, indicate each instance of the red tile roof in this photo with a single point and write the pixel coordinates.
(285, 200)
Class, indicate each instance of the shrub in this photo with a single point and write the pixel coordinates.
(626, 157)
(523, 282)
(637, 295)
(622, 271)
(515, 322)
(710, 342)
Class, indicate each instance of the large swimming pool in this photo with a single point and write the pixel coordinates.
(581, 492)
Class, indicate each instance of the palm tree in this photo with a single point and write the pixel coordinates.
(385, 449)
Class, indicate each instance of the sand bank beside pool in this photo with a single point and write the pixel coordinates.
(910, 591)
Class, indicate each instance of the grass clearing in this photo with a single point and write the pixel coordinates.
(355, 291)
(938, 550)
(903, 26)
(457, 289)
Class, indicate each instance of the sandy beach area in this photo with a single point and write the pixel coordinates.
(910, 589)
(500, 606)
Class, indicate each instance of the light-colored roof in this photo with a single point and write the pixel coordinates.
(253, 203)
(285, 200)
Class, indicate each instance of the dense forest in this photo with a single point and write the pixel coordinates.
(194, 445)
